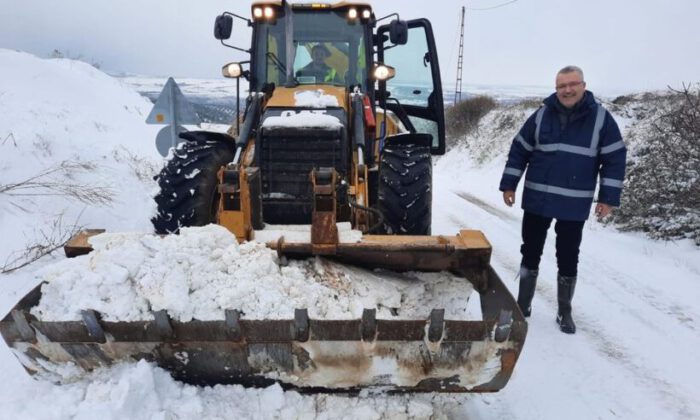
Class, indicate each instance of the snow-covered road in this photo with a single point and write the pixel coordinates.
(635, 305)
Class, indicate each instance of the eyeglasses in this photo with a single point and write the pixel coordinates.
(569, 85)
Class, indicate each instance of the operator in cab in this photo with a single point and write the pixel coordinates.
(317, 68)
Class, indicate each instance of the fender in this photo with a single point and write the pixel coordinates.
(202, 136)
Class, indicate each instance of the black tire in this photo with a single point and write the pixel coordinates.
(404, 191)
(188, 186)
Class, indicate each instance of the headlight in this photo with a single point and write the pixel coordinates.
(352, 14)
(383, 72)
(232, 70)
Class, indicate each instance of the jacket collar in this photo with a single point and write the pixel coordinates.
(586, 104)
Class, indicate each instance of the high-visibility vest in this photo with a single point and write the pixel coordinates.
(330, 75)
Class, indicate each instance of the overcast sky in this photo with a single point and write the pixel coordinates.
(622, 45)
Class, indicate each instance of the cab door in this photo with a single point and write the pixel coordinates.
(415, 92)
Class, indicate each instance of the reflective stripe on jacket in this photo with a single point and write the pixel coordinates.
(562, 154)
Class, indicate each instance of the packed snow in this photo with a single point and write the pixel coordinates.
(636, 301)
(201, 272)
(302, 119)
(314, 99)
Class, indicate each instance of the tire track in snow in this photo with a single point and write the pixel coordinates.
(504, 259)
(486, 206)
(602, 343)
(617, 353)
(640, 291)
(646, 294)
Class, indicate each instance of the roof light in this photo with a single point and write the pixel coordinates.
(257, 12)
(366, 14)
(352, 13)
(269, 12)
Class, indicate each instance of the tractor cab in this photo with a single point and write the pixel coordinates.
(394, 64)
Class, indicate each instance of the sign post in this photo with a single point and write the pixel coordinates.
(171, 109)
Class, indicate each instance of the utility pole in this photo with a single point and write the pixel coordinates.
(458, 85)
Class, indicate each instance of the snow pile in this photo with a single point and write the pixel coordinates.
(143, 391)
(314, 99)
(303, 119)
(74, 149)
(204, 271)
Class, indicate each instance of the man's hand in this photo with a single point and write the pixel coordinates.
(509, 198)
(601, 210)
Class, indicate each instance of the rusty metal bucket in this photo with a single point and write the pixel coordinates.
(433, 354)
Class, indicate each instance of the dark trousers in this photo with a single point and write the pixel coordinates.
(569, 234)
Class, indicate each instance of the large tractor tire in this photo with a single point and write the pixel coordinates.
(404, 191)
(188, 185)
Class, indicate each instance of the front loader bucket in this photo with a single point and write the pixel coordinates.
(432, 354)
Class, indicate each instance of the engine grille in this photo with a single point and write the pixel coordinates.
(286, 158)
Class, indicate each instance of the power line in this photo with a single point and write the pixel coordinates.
(492, 7)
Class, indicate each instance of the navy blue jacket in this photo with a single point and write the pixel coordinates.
(564, 151)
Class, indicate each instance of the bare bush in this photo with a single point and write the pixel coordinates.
(662, 185)
(464, 117)
(57, 180)
(56, 53)
(144, 169)
(528, 103)
(44, 242)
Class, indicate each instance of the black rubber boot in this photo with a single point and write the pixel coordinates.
(565, 292)
(528, 281)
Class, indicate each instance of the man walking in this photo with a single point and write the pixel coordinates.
(564, 145)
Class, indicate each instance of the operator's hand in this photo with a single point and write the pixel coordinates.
(509, 198)
(602, 210)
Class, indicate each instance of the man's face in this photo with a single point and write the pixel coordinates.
(318, 56)
(570, 88)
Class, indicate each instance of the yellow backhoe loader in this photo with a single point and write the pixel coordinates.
(343, 113)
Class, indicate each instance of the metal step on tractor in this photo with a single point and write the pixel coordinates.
(330, 133)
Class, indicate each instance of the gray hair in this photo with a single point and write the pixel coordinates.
(571, 69)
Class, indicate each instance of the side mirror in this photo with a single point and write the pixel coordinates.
(398, 32)
(223, 26)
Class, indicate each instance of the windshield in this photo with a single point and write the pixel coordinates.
(326, 48)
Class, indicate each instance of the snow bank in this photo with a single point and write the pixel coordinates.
(314, 99)
(87, 130)
(142, 391)
(203, 271)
